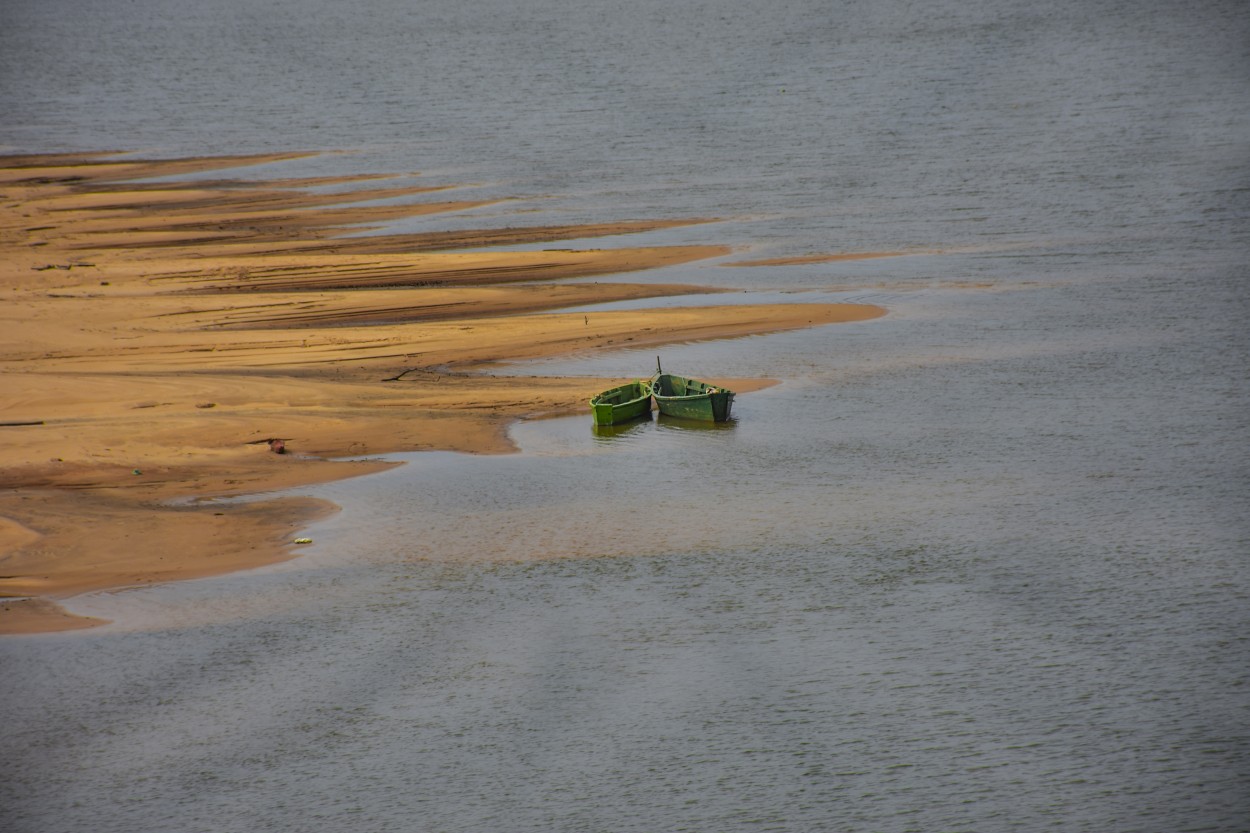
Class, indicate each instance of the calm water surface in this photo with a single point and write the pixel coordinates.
(980, 564)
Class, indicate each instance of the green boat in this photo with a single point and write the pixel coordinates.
(622, 403)
(689, 398)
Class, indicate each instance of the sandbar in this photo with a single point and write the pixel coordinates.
(166, 344)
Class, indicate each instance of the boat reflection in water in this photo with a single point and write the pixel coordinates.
(676, 423)
(619, 429)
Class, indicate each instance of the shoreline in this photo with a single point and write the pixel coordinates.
(156, 336)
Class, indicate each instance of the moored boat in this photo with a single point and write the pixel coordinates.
(622, 403)
(689, 398)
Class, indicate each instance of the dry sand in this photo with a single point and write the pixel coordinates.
(155, 337)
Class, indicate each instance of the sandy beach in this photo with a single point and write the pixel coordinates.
(162, 341)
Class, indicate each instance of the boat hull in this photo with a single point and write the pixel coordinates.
(621, 404)
(677, 396)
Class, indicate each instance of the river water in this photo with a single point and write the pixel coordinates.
(979, 565)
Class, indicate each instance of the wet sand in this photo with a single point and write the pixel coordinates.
(161, 342)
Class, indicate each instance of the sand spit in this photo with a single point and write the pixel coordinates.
(831, 257)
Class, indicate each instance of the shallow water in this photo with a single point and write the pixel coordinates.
(977, 565)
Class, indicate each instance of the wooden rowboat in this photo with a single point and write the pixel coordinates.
(622, 403)
(689, 398)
